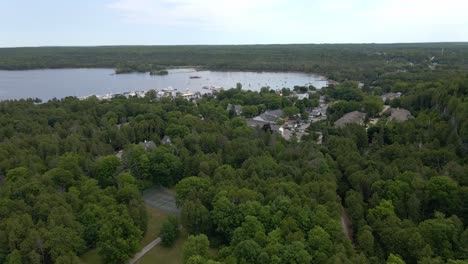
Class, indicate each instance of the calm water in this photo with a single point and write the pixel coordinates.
(47, 84)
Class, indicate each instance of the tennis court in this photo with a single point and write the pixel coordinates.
(161, 198)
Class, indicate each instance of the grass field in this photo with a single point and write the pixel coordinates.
(91, 257)
(173, 255)
(155, 220)
(160, 254)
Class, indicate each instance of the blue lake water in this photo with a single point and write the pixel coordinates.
(59, 83)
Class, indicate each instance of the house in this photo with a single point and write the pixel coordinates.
(266, 126)
(166, 140)
(235, 108)
(322, 99)
(119, 154)
(188, 95)
(148, 145)
(390, 96)
(399, 114)
(316, 113)
(270, 116)
(354, 117)
(302, 96)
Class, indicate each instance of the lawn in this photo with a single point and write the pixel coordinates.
(173, 255)
(155, 220)
(160, 254)
(91, 257)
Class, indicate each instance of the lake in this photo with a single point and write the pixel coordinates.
(59, 83)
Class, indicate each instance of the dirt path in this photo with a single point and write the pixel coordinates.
(346, 224)
(145, 250)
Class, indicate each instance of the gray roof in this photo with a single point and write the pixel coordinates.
(270, 116)
(399, 114)
(166, 140)
(236, 108)
(256, 123)
(260, 124)
(148, 145)
(391, 96)
(354, 117)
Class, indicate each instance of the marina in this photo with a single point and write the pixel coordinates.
(60, 83)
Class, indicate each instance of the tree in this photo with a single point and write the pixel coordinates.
(106, 169)
(247, 251)
(191, 189)
(372, 105)
(165, 168)
(195, 217)
(14, 258)
(169, 231)
(63, 241)
(365, 239)
(442, 194)
(290, 111)
(296, 253)
(252, 229)
(442, 234)
(196, 245)
(394, 259)
(177, 131)
(119, 238)
(249, 110)
(320, 244)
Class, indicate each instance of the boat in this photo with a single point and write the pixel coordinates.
(195, 77)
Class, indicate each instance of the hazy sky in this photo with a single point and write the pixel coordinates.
(157, 22)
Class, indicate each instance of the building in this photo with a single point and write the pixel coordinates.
(266, 126)
(390, 96)
(302, 96)
(235, 108)
(148, 145)
(399, 115)
(166, 140)
(270, 116)
(354, 117)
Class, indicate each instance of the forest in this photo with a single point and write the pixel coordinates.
(364, 62)
(247, 193)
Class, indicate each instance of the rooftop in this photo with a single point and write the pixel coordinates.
(399, 114)
(354, 117)
(270, 116)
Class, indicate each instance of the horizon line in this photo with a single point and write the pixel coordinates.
(245, 44)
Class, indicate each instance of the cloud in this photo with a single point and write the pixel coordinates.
(289, 21)
(202, 14)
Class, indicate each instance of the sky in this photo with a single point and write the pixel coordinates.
(181, 22)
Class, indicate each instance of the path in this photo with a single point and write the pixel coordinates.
(346, 224)
(145, 250)
(163, 199)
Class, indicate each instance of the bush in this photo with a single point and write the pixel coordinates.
(169, 231)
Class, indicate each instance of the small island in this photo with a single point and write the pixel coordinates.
(160, 72)
(124, 68)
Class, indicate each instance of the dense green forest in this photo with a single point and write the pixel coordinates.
(246, 192)
(337, 61)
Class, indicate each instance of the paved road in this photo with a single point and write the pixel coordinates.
(145, 250)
